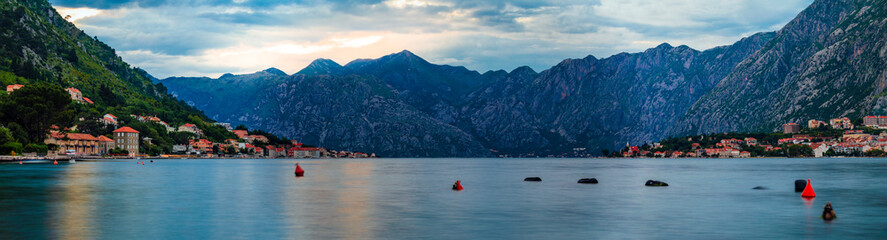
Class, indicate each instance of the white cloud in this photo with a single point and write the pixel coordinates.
(195, 39)
(74, 14)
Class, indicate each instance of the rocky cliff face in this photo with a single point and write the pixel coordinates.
(356, 113)
(600, 103)
(580, 103)
(826, 63)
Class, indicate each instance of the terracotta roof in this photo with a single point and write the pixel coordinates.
(73, 89)
(188, 125)
(126, 129)
(75, 136)
(87, 100)
(105, 139)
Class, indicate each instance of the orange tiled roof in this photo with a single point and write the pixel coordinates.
(126, 129)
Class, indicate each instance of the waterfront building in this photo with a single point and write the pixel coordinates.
(73, 143)
(201, 145)
(127, 139)
(105, 145)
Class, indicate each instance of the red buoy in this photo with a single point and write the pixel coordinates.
(458, 186)
(19, 162)
(55, 162)
(808, 191)
(299, 171)
(143, 163)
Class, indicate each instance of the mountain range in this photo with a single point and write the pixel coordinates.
(827, 62)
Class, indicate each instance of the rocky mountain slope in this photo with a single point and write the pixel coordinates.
(591, 103)
(827, 62)
(351, 112)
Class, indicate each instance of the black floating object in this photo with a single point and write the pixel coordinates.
(588, 180)
(533, 179)
(800, 184)
(760, 188)
(654, 183)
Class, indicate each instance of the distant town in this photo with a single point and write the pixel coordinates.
(837, 137)
(127, 142)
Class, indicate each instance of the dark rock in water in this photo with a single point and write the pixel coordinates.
(533, 179)
(588, 180)
(800, 184)
(654, 183)
(760, 188)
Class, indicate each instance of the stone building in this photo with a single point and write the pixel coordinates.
(127, 139)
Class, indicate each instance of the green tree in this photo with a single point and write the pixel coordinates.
(35, 108)
(798, 150)
(875, 153)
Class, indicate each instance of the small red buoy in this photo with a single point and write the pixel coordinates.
(808, 191)
(458, 186)
(143, 163)
(299, 171)
(19, 162)
(55, 162)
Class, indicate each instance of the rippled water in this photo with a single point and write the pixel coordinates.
(411, 198)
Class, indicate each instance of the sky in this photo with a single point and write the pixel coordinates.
(212, 37)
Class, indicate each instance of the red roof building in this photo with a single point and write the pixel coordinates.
(126, 130)
(13, 87)
(240, 133)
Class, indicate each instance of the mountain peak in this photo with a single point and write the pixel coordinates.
(664, 45)
(405, 55)
(322, 66)
(522, 70)
(274, 71)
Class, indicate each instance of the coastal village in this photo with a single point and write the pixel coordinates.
(126, 142)
(837, 137)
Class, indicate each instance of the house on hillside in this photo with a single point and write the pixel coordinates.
(240, 133)
(813, 123)
(13, 87)
(841, 123)
(109, 119)
(76, 95)
(253, 138)
(791, 128)
(190, 127)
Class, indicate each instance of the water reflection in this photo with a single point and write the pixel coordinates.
(73, 216)
(332, 200)
(411, 198)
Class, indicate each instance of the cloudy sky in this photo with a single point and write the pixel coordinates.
(212, 37)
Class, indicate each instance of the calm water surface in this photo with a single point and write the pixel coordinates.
(411, 199)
